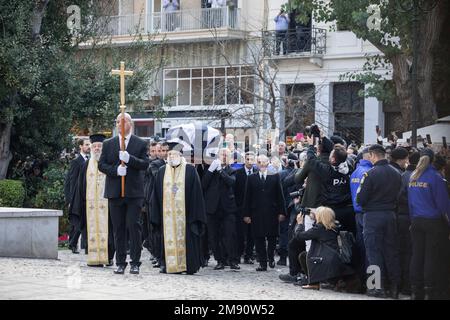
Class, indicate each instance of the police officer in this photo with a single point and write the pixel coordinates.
(377, 195)
(428, 203)
(364, 165)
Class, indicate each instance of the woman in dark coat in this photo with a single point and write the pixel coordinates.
(322, 262)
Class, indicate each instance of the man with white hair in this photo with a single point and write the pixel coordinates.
(125, 211)
(218, 184)
(264, 209)
(92, 208)
(178, 213)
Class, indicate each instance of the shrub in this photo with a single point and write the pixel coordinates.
(12, 193)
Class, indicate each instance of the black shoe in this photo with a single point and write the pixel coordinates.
(393, 293)
(205, 264)
(282, 261)
(234, 266)
(134, 270)
(110, 263)
(302, 280)
(261, 268)
(74, 250)
(156, 265)
(162, 269)
(417, 293)
(219, 266)
(248, 261)
(95, 265)
(376, 293)
(272, 264)
(287, 278)
(120, 270)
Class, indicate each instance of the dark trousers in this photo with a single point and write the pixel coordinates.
(346, 217)
(380, 240)
(405, 250)
(283, 239)
(75, 232)
(145, 230)
(222, 236)
(428, 240)
(361, 262)
(265, 251)
(295, 248)
(281, 38)
(245, 242)
(125, 214)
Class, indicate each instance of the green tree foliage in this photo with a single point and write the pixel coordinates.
(388, 25)
(51, 82)
(12, 193)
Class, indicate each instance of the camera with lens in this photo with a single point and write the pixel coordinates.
(297, 194)
(312, 130)
(305, 211)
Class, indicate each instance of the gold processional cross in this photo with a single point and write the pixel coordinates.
(122, 73)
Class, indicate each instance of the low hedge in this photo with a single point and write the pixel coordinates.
(12, 193)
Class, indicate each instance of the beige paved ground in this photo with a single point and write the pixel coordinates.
(70, 278)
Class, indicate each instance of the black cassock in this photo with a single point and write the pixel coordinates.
(195, 216)
(79, 208)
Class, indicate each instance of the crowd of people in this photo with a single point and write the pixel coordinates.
(348, 218)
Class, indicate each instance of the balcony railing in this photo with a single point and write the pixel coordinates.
(182, 20)
(298, 41)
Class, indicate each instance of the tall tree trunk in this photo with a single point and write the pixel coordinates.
(38, 15)
(5, 153)
(430, 26)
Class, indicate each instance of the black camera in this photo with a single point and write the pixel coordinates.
(312, 130)
(305, 211)
(297, 194)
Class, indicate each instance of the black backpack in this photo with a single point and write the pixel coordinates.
(346, 241)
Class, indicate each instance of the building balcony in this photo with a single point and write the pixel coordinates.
(298, 43)
(178, 26)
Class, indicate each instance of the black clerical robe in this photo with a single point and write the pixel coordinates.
(195, 216)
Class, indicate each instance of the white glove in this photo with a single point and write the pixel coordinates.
(122, 171)
(124, 156)
(213, 166)
(219, 164)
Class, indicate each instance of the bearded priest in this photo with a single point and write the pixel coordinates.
(93, 208)
(178, 212)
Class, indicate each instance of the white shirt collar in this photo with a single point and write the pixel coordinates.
(84, 155)
(127, 139)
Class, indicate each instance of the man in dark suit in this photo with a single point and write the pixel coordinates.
(218, 184)
(125, 212)
(264, 208)
(70, 185)
(245, 243)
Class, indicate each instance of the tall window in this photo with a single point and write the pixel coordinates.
(209, 86)
(348, 108)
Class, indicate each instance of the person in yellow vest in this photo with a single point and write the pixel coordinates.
(93, 208)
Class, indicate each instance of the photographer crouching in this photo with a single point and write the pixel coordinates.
(322, 262)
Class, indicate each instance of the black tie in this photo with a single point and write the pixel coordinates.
(249, 172)
(87, 157)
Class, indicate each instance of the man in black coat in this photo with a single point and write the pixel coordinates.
(125, 212)
(245, 243)
(218, 185)
(70, 186)
(264, 208)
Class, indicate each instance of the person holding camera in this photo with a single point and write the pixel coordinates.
(281, 29)
(322, 262)
(377, 195)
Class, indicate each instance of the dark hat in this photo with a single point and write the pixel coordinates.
(399, 153)
(292, 156)
(175, 145)
(365, 150)
(338, 140)
(97, 138)
(377, 148)
(427, 152)
(327, 146)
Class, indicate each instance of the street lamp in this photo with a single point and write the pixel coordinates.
(416, 8)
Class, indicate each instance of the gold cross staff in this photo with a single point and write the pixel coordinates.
(122, 73)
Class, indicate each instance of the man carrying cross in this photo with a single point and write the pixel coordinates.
(125, 210)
